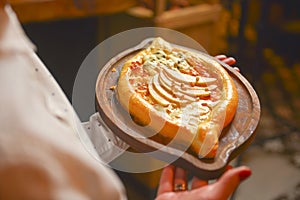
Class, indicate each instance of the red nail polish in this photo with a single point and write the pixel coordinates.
(244, 174)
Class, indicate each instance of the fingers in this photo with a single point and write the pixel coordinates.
(221, 57)
(225, 59)
(170, 177)
(222, 189)
(197, 183)
(180, 178)
(230, 180)
(229, 61)
(237, 69)
(166, 180)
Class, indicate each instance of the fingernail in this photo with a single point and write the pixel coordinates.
(237, 69)
(244, 174)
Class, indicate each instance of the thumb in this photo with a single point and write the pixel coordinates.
(230, 180)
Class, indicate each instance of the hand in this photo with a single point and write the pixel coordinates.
(219, 190)
(228, 60)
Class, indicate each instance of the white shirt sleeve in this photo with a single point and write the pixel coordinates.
(107, 145)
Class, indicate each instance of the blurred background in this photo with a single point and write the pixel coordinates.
(263, 35)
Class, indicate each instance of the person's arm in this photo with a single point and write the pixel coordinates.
(222, 189)
(41, 150)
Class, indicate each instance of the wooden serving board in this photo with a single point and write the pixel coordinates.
(236, 137)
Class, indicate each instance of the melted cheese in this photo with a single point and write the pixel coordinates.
(174, 92)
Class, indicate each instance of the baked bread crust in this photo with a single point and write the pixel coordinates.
(184, 96)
